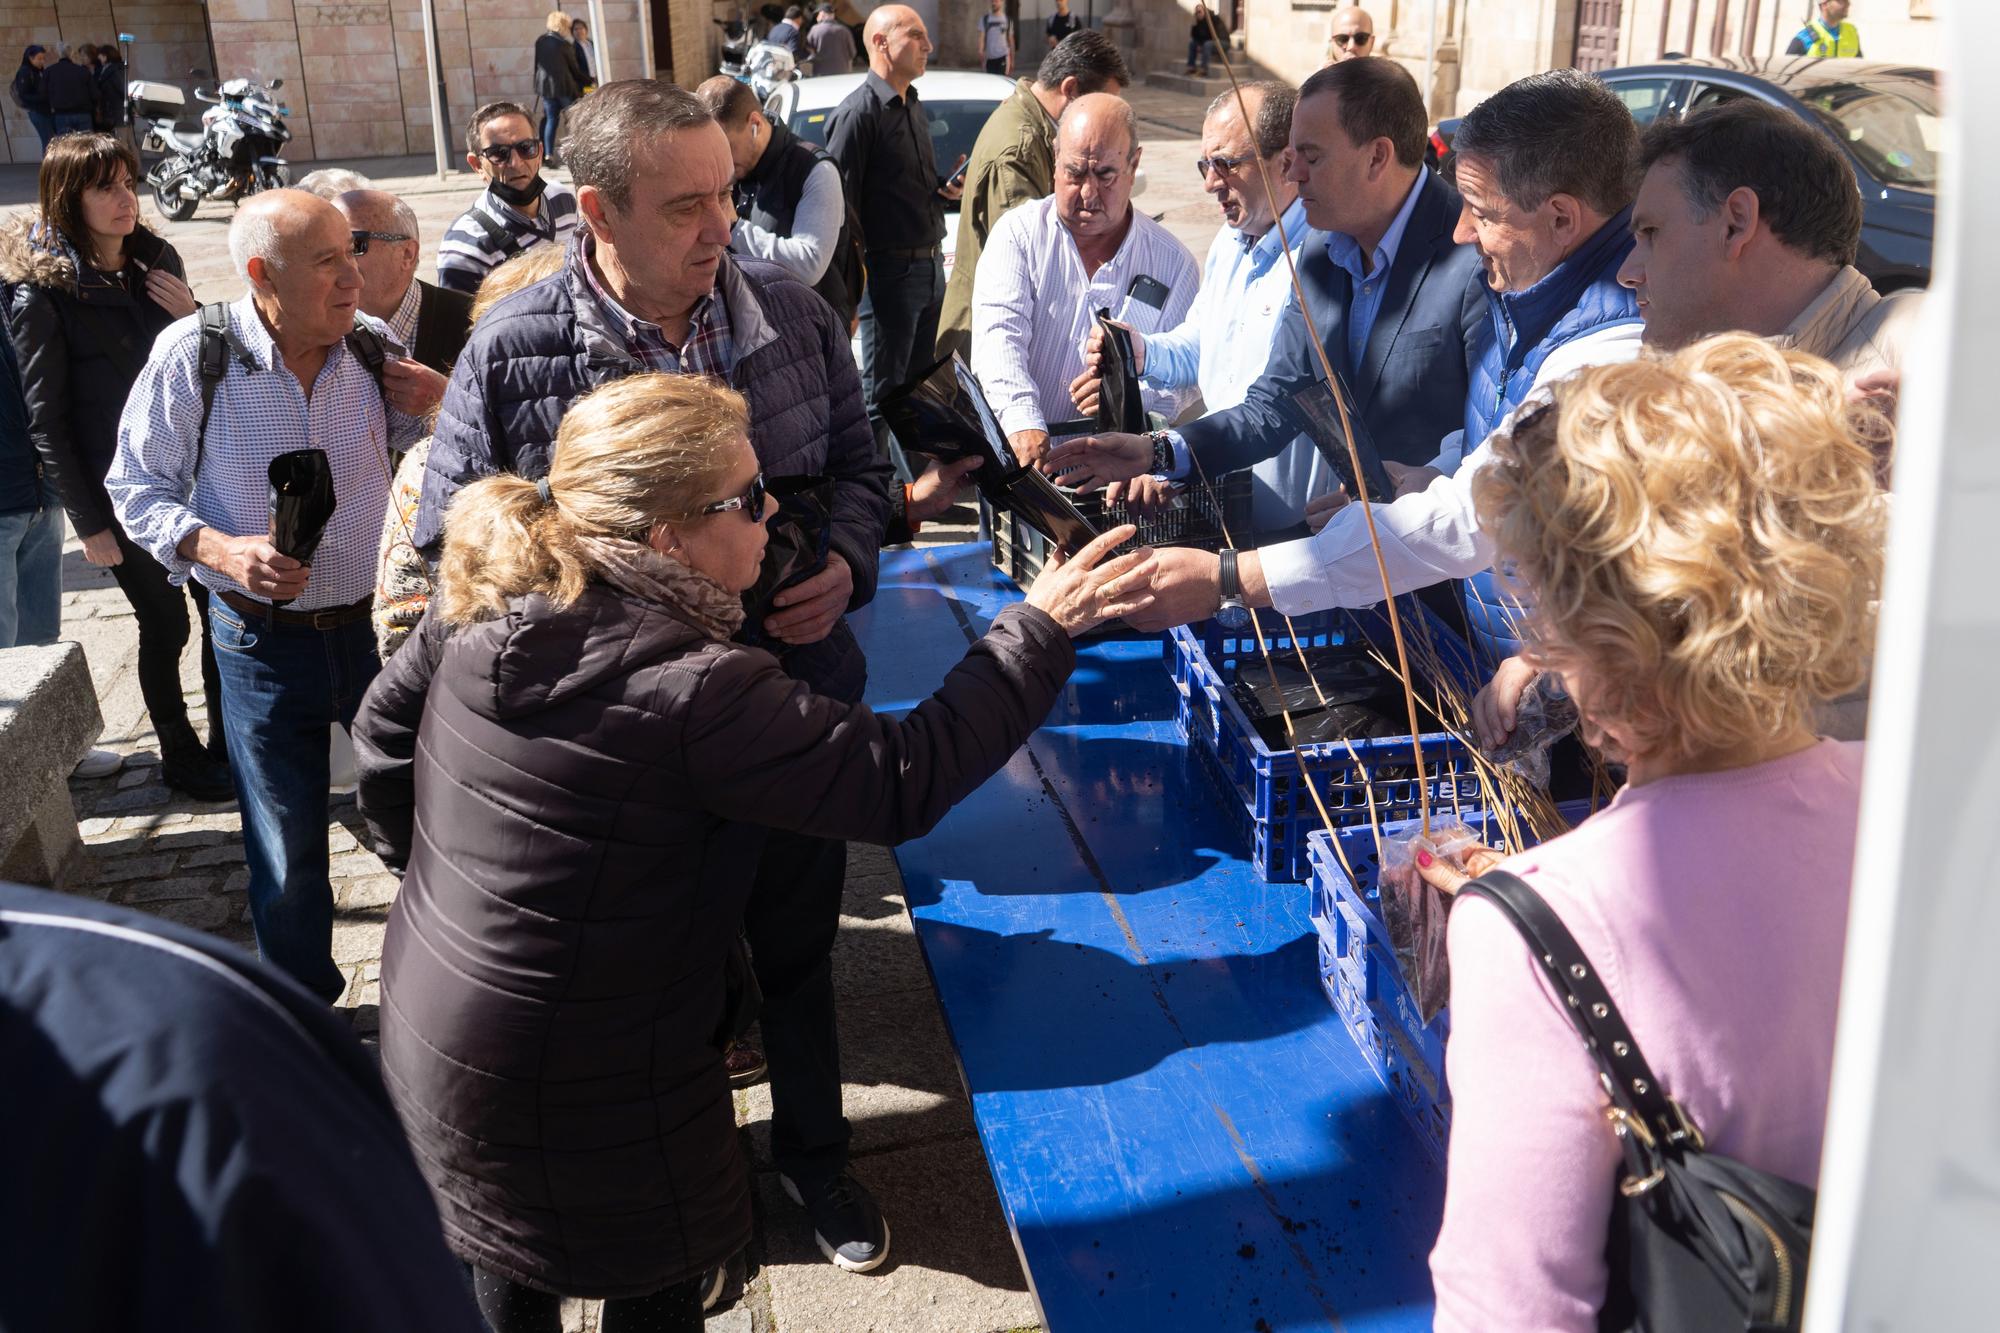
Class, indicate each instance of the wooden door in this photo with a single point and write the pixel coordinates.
(1597, 34)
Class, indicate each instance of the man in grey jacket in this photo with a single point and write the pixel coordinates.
(649, 285)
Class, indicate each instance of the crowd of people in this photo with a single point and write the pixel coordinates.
(1628, 389)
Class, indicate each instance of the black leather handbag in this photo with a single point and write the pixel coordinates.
(1700, 1243)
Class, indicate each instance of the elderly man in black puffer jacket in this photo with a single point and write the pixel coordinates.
(649, 284)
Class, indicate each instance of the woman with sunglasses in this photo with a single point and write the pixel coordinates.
(575, 764)
(89, 289)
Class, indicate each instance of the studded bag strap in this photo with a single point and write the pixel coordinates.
(1628, 1078)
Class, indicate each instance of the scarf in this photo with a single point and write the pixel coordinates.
(635, 568)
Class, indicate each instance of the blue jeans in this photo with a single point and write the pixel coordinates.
(30, 577)
(552, 109)
(71, 122)
(45, 125)
(899, 324)
(284, 687)
(1198, 53)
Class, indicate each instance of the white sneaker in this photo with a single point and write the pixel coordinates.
(99, 764)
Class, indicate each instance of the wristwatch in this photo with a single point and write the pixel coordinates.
(1163, 453)
(1232, 614)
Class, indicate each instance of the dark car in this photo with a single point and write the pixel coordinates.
(1883, 115)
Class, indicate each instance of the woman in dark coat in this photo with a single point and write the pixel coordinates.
(578, 779)
(88, 290)
(559, 77)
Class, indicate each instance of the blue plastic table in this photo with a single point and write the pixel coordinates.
(1181, 1132)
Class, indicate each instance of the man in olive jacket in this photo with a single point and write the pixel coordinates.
(649, 285)
(1013, 162)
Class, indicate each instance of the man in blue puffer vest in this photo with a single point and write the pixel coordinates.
(1544, 167)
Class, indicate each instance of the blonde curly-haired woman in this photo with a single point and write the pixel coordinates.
(1700, 536)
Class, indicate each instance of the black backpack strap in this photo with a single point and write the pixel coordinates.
(497, 236)
(219, 345)
(369, 347)
(1627, 1078)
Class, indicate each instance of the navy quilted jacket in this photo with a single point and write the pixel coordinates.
(547, 345)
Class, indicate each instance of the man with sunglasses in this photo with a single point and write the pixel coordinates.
(430, 321)
(519, 209)
(1353, 35)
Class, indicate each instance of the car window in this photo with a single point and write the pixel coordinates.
(1644, 98)
(1707, 95)
(954, 126)
(1892, 127)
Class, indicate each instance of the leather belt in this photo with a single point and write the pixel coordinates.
(332, 617)
(908, 252)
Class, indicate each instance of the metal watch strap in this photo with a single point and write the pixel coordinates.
(1163, 453)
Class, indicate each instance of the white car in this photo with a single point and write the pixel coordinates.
(958, 104)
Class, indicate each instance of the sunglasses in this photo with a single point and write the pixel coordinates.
(362, 238)
(498, 153)
(751, 501)
(1353, 38)
(1223, 166)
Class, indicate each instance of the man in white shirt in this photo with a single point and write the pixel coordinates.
(1050, 266)
(1223, 344)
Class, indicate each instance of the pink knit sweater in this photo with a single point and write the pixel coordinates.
(1714, 906)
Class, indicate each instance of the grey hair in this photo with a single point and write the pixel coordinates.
(1563, 132)
(605, 129)
(253, 236)
(406, 219)
(330, 182)
(1273, 128)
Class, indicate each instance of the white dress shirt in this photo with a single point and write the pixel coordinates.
(1033, 306)
(1224, 345)
(1427, 537)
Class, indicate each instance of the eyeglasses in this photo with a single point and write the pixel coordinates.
(498, 153)
(362, 238)
(1353, 38)
(1223, 166)
(752, 501)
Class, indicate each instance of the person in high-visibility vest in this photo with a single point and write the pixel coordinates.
(1828, 35)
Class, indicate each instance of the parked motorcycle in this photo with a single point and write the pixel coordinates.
(232, 156)
(736, 43)
(766, 68)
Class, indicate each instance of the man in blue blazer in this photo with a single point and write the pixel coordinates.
(1399, 307)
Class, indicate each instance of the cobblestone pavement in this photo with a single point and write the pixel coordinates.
(953, 1268)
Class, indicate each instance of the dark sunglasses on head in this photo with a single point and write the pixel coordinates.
(362, 238)
(1222, 166)
(751, 501)
(498, 153)
(1353, 38)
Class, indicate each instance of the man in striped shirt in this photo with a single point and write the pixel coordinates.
(519, 208)
(1051, 265)
(190, 484)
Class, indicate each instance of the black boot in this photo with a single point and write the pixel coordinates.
(186, 766)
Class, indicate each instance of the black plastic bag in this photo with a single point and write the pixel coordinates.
(1318, 419)
(933, 415)
(301, 503)
(801, 534)
(1121, 403)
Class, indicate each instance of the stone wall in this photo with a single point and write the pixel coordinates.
(172, 40)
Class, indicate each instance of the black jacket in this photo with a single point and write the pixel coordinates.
(22, 490)
(200, 1143)
(70, 88)
(109, 82)
(82, 341)
(444, 318)
(589, 789)
(546, 346)
(30, 94)
(558, 71)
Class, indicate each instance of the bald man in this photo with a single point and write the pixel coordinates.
(881, 137)
(1353, 34)
(1049, 266)
(430, 321)
(190, 484)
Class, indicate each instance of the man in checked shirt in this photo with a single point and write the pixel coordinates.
(292, 642)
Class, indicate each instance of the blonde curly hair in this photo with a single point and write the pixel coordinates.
(1701, 537)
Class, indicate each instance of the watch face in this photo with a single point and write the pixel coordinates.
(1232, 615)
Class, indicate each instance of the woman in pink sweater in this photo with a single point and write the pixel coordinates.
(1700, 538)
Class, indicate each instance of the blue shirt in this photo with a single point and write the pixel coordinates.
(1223, 346)
(1366, 302)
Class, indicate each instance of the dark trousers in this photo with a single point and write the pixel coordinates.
(284, 688)
(996, 65)
(899, 319)
(552, 110)
(790, 921)
(71, 122)
(512, 1307)
(161, 610)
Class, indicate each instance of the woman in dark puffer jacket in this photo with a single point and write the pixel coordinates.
(89, 289)
(578, 779)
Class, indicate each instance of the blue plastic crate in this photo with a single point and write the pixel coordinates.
(1271, 785)
(1406, 1052)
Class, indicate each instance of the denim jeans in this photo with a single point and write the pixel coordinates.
(1198, 53)
(899, 319)
(284, 687)
(30, 577)
(71, 122)
(552, 109)
(45, 125)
